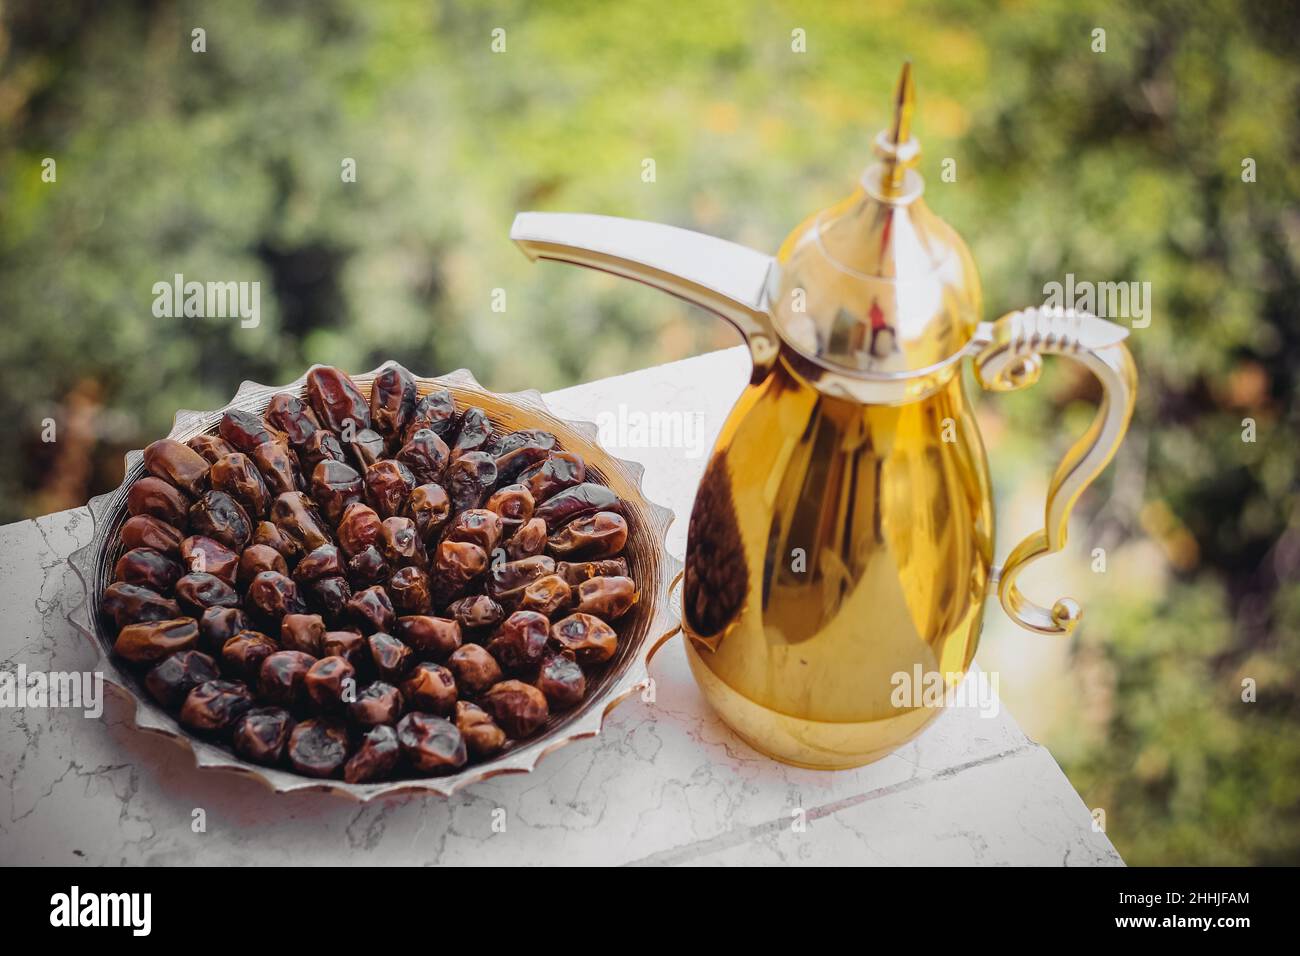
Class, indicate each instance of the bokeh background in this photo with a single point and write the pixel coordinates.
(1122, 165)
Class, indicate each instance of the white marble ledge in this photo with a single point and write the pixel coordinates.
(665, 783)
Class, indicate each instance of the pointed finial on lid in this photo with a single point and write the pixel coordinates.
(895, 145)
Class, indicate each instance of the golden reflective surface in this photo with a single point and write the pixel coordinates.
(832, 546)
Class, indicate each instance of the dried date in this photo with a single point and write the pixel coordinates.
(219, 516)
(431, 745)
(146, 531)
(131, 604)
(336, 401)
(174, 677)
(520, 709)
(426, 455)
(482, 736)
(318, 747)
(376, 757)
(214, 706)
(151, 641)
(155, 497)
(262, 735)
(237, 476)
(177, 464)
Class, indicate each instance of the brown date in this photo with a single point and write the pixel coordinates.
(368, 567)
(130, 604)
(528, 541)
(431, 638)
(482, 736)
(577, 502)
(298, 519)
(429, 507)
(426, 455)
(476, 670)
(318, 747)
(366, 447)
(155, 497)
(589, 639)
(237, 476)
(392, 401)
(519, 708)
(278, 466)
(331, 595)
(519, 450)
(477, 612)
(375, 758)
(430, 687)
(215, 705)
(507, 581)
(335, 400)
(282, 678)
(470, 479)
(327, 681)
(146, 531)
(207, 556)
(211, 447)
(262, 735)
(334, 486)
(376, 703)
(577, 572)
(198, 591)
(244, 431)
(560, 470)
(303, 632)
(269, 534)
(546, 595)
(475, 430)
(174, 677)
(324, 562)
(294, 417)
(391, 657)
(178, 464)
(520, 641)
(218, 625)
(256, 559)
(151, 641)
(219, 516)
(401, 544)
(244, 653)
(476, 526)
(562, 681)
(514, 503)
(409, 590)
(349, 645)
(431, 744)
(371, 610)
(601, 535)
(388, 483)
(359, 528)
(324, 445)
(456, 565)
(607, 597)
(147, 568)
(273, 595)
(436, 412)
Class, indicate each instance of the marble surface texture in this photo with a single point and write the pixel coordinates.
(665, 783)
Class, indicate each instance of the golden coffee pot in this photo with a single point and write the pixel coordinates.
(841, 542)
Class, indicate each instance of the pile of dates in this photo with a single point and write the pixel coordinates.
(367, 589)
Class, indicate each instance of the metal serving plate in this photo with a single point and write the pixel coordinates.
(641, 632)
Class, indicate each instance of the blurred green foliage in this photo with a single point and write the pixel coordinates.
(1116, 165)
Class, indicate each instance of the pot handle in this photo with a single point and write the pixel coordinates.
(728, 279)
(1013, 360)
